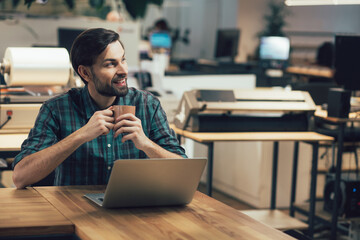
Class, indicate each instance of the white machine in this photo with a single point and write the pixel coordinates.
(32, 75)
(29, 81)
(244, 110)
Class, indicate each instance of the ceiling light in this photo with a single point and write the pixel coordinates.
(320, 2)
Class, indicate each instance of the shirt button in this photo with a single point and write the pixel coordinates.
(109, 145)
(109, 167)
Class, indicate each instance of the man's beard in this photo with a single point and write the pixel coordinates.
(109, 90)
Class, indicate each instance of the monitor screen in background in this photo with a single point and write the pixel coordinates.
(160, 40)
(347, 67)
(274, 48)
(227, 43)
(66, 37)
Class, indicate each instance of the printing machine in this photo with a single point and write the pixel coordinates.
(244, 110)
(20, 103)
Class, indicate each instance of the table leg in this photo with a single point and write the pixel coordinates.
(335, 212)
(314, 167)
(294, 178)
(209, 168)
(274, 175)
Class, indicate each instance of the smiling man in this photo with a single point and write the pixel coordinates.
(75, 135)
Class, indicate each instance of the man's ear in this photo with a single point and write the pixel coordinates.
(84, 72)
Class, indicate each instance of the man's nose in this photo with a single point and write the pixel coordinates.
(122, 69)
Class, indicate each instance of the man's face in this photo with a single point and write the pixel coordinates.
(109, 72)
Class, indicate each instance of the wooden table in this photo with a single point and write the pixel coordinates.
(312, 138)
(64, 210)
(10, 146)
(26, 212)
(203, 218)
(10, 143)
(315, 71)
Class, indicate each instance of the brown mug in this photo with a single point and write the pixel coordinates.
(122, 109)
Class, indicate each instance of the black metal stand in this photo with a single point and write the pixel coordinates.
(274, 175)
(209, 168)
(335, 212)
(294, 178)
(314, 165)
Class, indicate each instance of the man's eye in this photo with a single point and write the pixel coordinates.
(109, 64)
(123, 60)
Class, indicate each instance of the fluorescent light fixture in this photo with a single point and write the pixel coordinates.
(320, 2)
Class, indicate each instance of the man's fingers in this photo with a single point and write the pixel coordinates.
(128, 116)
(109, 125)
(125, 130)
(108, 112)
(108, 119)
(127, 123)
(128, 137)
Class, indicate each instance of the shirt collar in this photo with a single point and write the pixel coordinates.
(89, 104)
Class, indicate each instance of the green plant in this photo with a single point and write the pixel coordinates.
(69, 3)
(274, 22)
(275, 19)
(137, 8)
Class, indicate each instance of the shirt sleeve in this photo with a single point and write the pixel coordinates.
(41, 136)
(162, 134)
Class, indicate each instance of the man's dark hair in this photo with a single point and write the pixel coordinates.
(89, 45)
(162, 25)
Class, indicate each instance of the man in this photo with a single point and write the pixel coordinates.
(75, 134)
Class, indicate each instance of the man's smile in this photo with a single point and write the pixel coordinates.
(120, 81)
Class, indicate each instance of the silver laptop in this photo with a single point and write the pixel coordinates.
(151, 182)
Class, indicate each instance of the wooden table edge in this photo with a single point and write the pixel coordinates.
(205, 137)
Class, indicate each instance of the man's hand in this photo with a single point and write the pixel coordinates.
(99, 124)
(131, 125)
(36, 166)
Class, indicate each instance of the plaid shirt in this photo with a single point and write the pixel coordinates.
(92, 162)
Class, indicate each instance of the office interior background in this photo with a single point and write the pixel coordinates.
(242, 170)
(306, 26)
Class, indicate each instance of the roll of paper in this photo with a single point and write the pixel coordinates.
(37, 66)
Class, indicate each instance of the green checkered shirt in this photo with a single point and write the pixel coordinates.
(92, 162)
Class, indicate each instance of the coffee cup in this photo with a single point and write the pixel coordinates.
(122, 109)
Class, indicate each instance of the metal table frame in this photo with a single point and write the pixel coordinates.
(315, 151)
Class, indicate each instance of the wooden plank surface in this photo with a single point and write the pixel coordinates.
(253, 136)
(11, 142)
(311, 71)
(276, 219)
(258, 136)
(15, 131)
(320, 113)
(25, 212)
(203, 218)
